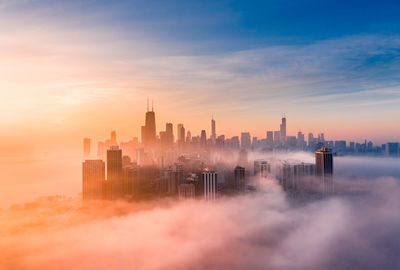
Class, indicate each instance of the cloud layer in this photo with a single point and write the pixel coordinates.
(264, 231)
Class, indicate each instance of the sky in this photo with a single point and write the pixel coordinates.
(71, 69)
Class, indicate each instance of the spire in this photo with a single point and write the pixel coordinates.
(152, 107)
(147, 103)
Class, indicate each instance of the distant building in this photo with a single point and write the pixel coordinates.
(149, 135)
(262, 168)
(240, 177)
(283, 129)
(86, 147)
(245, 140)
(392, 149)
(213, 133)
(203, 138)
(93, 176)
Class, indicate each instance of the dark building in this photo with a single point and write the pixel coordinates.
(324, 168)
(149, 135)
(239, 180)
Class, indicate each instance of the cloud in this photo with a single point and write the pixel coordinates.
(259, 231)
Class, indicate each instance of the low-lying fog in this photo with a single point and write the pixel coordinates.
(255, 231)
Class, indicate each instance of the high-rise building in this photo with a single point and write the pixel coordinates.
(114, 172)
(188, 137)
(149, 135)
(245, 140)
(169, 134)
(181, 134)
(270, 138)
(283, 129)
(86, 147)
(203, 138)
(277, 137)
(209, 185)
(239, 180)
(213, 133)
(392, 149)
(324, 168)
(93, 176)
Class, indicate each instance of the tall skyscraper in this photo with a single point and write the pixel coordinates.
(114, 172)
(277, 137)
(283, 129)
(324, 168)
(213, 133)
(149, 135)
(93, 176)
(181, 134)
(86, 147)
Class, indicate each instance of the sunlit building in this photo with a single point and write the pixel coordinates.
(93, 175)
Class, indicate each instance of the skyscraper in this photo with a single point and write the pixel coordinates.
(86, 147)
(101, 150)
(270, 138)
(213, 133)
(239, 181)
(114, 172)
(181, 134)
(169, 134)
(93, 176)
(149, 135)
(203, 138)
(245, 140)
(324, 168)
(283, 129)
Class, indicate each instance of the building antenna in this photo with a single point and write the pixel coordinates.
(147, 103)
(152, 108)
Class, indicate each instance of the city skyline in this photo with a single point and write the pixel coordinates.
(64, 75)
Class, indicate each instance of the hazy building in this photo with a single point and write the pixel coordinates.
(277, 137)
(283, 129)
(203, 138)
(86, 147)
(181, 134)
(392, 149)
(169, 133)
(270, 138)
(213, 133)
(186, 191)
(239, 183)
(93, 176)
(245, 140)
(262, 168)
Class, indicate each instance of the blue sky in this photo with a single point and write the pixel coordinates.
(332, 63)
